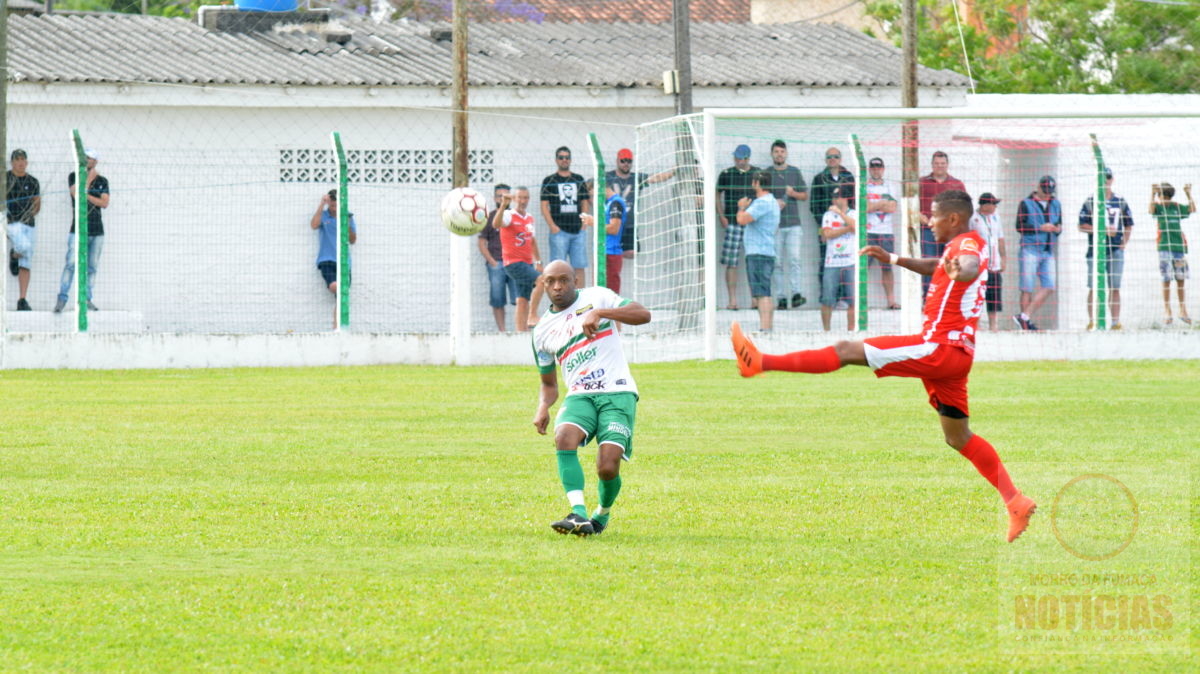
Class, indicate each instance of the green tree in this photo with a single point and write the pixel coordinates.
(1057, 46)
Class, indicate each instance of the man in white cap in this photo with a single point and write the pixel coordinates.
(97, 199)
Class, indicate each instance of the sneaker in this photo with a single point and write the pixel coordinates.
(1090, 325)
(749, 360)
(92, 307)
(23, 305)
(13, 265)
(1029, 325)
(1115, 326)
(574, 524)
(598, 527)
(782, 304)
(1020, 509)
(59, 306)
(798, 301)
(1022, 324)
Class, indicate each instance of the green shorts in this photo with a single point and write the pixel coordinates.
(607, 417)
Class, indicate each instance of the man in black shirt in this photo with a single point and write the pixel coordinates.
(97, 199)
(564, 198)
(23, 201)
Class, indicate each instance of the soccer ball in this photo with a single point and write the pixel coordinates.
(464, 212)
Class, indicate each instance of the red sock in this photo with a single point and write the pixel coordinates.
(816, 361)
(983, 456)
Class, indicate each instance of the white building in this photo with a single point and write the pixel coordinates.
(217, 143)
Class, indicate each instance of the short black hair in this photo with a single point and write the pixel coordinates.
(779, 143)
(939, 153)
(333, 194)
(957, 201)
(763, 178)
(500, 186)
(562, 148)
(1168, 190)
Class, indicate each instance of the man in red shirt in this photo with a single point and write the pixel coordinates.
(519, 249)
(939, 180)
(940, 356)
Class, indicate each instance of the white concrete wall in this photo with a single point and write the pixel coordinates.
(203, 237)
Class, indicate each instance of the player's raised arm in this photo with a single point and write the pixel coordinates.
(630, 314)
(923, 266)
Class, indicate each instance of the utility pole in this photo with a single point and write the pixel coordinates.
(908, 94)
(681, 19)
(460, 246)
(458, 39)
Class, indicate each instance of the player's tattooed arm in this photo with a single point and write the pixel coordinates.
(963, 268)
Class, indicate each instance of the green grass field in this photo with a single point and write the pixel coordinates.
(396, 518)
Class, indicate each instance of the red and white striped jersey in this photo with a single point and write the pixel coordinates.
(952, 308)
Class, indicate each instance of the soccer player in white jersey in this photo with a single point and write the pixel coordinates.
(578, 332)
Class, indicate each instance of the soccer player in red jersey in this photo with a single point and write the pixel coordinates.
(940, 356)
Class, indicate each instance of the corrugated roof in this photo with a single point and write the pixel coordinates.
(136, 48)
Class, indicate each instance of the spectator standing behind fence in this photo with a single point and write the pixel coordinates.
(837, 282)
(1172, 244)
(97, 194)
(614, 229)
(987, 222)
(760, 217)
(821, 196)
(501, 288)
(326, 220)
(564, 198)
(626, 183)
(1118, 223)
(1039, 222)
(939, 180)
(23, 200)
(522, 261)
(787, 185)
(733, 185)
(882, 199)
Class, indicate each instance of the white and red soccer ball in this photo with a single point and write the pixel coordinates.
(464, 211)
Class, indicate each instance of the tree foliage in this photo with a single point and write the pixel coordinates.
(1059, 46)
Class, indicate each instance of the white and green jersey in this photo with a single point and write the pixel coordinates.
(595, 365)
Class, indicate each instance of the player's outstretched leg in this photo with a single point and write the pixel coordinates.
(814, 361)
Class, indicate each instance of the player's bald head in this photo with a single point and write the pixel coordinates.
(558, 267)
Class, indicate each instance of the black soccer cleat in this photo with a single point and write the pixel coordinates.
(598, 527)
(14, 265)
(574, 524)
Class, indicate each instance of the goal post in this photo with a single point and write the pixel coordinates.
(860, 229)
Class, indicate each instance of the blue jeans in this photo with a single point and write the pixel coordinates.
(498, 282)
(1037, 267)
(95, 246)
(569, 247)
(929, 248)
(786, 279)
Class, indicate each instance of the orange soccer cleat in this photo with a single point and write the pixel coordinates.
(749, 360)
(1020, 509)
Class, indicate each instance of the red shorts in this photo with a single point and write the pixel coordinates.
(943, 369)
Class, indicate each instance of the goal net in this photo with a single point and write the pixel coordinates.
(1044, 175)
